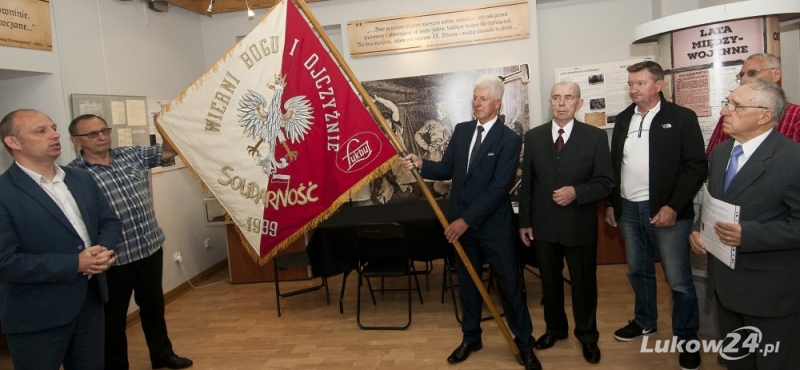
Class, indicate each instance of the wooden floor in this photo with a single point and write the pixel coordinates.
(235, 327)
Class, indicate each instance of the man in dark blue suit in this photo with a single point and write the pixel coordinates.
(56, 231)
(482, 159)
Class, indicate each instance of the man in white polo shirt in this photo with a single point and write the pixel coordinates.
(659, 164)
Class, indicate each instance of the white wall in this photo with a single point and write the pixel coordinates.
(42, 92)
(580, 32)
(123, 48)
(790, 60)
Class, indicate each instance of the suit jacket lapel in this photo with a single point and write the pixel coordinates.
(719, 162)
(466, 141)
(754, 166)
(546, 145)
(570, 147)
(27, 185)
(488, 139)
(78, 195)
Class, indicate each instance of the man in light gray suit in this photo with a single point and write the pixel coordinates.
(757, 170)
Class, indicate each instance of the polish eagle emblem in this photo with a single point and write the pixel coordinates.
(269, 125)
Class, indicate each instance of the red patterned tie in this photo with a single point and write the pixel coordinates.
(560, 140)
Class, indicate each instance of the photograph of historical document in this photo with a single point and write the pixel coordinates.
(604, 90)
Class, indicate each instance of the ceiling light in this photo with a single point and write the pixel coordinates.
(250, 13)
(210, 6)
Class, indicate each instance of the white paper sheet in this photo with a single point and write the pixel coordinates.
(716, 210)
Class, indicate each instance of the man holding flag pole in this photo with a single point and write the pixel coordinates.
(275, 106)
(482, 160)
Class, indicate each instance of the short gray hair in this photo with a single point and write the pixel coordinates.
(770, 95)
(568, 83)
(771, 60)
(494, 83)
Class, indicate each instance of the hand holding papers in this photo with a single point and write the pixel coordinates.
(715, 210)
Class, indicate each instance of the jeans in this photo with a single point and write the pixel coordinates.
(642, 241)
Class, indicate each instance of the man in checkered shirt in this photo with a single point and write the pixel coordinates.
(122, 174)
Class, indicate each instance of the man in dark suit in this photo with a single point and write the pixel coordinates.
(482, 160)
(56, 231)
(659, 164)
(566, 169)
(758, 171)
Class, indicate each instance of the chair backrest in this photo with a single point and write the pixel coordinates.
(381, 242)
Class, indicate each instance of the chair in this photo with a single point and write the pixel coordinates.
(291, 261)
(383, 252)
(428, 263)
(448, 284)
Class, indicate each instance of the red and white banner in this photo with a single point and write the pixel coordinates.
(275, 131)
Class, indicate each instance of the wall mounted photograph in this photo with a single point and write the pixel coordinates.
(423, 110)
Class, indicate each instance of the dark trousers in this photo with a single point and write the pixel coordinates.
(143, 279)
(502, 258)
(582, 263)
(774, 330)
(78, 345)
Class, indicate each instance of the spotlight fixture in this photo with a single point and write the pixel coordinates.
(250, 12)
(210, 6)
(158, 5)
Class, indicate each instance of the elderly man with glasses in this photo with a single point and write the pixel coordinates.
(123, 177)
(757, 301)
(765, 67)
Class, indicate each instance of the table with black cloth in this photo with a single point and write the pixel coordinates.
(332, 249)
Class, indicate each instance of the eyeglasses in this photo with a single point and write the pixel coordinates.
(751, 73)
(733, 106)
(93, 134)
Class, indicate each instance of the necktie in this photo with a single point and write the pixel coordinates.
(733, 167)
(560, 140)
(475, 147)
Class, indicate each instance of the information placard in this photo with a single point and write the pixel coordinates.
(454, 27)
(26, 24)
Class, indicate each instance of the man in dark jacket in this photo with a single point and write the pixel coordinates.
(659, 164)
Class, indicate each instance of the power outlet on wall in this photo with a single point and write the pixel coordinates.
(178, 257)
(208, 242)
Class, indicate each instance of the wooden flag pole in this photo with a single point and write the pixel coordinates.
(402, 152)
